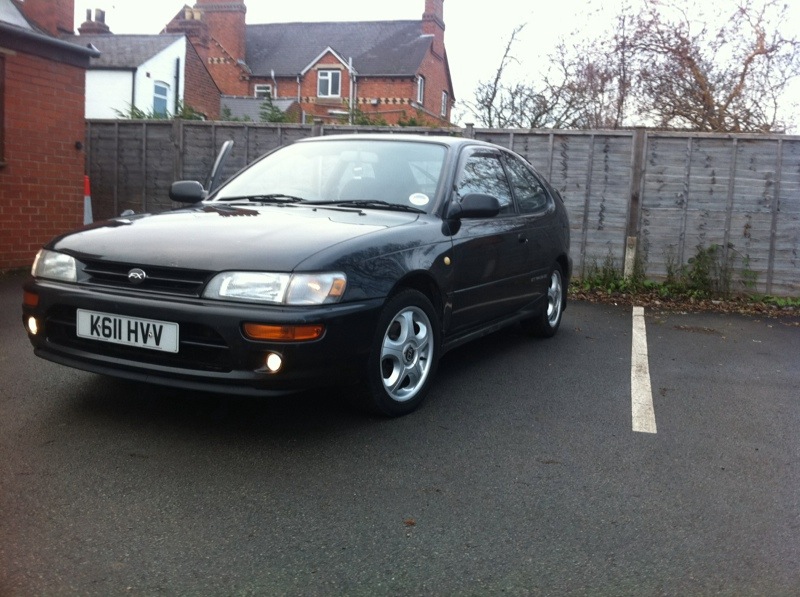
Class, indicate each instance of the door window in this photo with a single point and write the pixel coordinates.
(483, 173)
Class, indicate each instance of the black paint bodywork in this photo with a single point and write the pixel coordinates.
(480, 273)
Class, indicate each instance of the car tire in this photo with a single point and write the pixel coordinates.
(547, 322)
(403, 356)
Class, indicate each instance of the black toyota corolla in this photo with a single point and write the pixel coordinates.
(353, 259)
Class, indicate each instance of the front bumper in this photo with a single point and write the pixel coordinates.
(214, 355)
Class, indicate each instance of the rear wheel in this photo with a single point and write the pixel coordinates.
(403, 356)
(546, 323)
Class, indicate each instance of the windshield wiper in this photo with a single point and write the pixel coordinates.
(374, 203)
(270, 198)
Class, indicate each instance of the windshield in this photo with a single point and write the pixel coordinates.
(369, 173)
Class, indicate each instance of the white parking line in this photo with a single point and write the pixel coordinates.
(642, 411)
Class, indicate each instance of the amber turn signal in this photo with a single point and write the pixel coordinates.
(30, 299)
(283, 333)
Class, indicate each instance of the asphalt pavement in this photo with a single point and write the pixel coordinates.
(521, 475)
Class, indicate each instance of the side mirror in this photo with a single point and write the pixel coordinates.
(474, 205)
(187, 191)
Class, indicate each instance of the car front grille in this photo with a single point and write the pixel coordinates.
(184, 282)
(201, 348)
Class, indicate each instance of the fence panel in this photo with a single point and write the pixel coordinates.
(740, 193)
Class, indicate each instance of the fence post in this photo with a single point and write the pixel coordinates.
(775, 207)
(177, 144)
(637, 176)
(144, 166)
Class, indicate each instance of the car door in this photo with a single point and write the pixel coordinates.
(490, 255)
(536, 210)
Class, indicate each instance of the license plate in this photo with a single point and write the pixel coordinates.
(131, 331)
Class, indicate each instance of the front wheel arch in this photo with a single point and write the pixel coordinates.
(403, 355)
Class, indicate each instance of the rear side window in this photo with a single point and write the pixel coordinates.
(531, 195)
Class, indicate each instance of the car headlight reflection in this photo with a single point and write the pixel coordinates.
(55, 266)
(277, 288)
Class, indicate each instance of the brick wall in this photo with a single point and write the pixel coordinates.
(395, 96)
(434, 70)
(218, 32)
(201, 93)
(226, 23)
(41, 185)
(54, 16)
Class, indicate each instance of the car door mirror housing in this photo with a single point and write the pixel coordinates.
(187, 191)
(474, 205)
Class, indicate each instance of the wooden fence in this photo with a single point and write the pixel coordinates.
(670, 195)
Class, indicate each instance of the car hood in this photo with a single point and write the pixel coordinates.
(219, 237)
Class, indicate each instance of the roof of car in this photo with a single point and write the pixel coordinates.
(451, 141)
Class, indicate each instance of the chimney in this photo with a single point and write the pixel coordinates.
(94, 27)
(433, 24)
(226, 24)
(190, 23)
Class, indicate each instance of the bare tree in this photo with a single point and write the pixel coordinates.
(577, 91)
(728, 78)
(490, 106)
(659, 67)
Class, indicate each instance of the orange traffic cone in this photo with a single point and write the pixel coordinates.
(87, 201)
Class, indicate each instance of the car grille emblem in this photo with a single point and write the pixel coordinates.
(136, 276)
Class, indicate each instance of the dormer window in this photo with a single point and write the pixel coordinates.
(329, 83)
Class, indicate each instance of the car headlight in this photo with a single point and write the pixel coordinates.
(276, 288)
(55, 266)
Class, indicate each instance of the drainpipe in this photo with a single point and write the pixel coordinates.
(302, 110)
(177, 84)
(133, 88)
(352, 88)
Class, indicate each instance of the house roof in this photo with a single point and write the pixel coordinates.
(378, 48)
(10, 14)
(124, 51)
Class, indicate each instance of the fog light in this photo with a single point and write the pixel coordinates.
(33, 326)
(274, 362)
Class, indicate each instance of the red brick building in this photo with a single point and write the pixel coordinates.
(385, 70)
(41, 127)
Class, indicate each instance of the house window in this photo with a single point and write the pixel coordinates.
(445, 99)
(2, 107)
(160, 98)
(262, 91)
(420, 90)
(329, 83)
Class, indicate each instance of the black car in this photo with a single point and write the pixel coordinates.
(343, 259)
